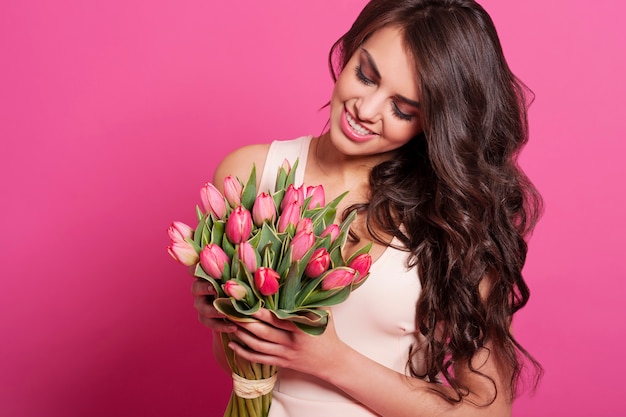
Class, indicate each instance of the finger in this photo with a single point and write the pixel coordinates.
(268, 317)
(205, 308)
(264, 332)
(202, 287)
(218, 325)
(254, 356)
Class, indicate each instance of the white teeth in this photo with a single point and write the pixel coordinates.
(357, 127)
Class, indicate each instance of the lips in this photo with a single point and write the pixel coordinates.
(353, 129)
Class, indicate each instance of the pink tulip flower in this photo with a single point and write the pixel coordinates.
(332, 230)
(301, 243)
(316, 193)
(264, 209)
(239, 225)
(183, 252)
(286, 166)
(292, 194)
(305, 224)
(247, 254)
(337, 278)
(318, 263)
(361, 264)
(212, 260)
(235, 290)
(232, 190)
(179, 232)
(290, 215)
(212, 201)
(266, 280)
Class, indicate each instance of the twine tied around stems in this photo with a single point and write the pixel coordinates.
(253, 388)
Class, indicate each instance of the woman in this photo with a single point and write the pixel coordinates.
(426, 121)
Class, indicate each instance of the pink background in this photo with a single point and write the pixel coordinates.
(114, 113)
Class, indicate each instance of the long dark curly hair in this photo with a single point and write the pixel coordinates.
(454, 195)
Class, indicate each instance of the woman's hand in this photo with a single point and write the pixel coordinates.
(279, 342)
(203, 295)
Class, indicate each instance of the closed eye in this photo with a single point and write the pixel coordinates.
(399, 113)
(362, 77)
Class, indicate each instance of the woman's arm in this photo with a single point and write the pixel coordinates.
(239, 164)
(385, 391)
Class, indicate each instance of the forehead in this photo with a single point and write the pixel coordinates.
(387, 48)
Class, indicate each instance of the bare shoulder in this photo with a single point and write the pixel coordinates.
(239, 163)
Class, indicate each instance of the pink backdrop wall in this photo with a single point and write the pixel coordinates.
(114, 113)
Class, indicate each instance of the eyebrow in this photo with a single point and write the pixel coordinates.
(372, 64)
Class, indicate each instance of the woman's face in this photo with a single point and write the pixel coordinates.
(375, 102)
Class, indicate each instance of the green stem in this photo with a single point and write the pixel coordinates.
(243, 412)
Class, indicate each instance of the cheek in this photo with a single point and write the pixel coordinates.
(346, 86)
(399, 131)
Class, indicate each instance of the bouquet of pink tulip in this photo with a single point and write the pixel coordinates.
(282, 252)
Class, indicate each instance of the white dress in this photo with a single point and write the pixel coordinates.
(377, 319)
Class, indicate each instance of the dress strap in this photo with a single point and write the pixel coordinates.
(278, 152)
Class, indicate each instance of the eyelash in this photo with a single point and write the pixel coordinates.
(395, 111)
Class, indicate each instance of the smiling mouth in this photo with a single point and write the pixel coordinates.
(356, 126)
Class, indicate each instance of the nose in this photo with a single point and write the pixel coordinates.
(369, 107)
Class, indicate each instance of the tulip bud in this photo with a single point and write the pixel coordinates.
(292, 194)
(290, 215)
(338, 278)
(264, 209)
(317, 196)
(286, 166)
(300, 244)
(212, 260)
(179, 232)
(183, 252)
(266, 280)
(239, 225)
(213, 201)
(232, 190)
(332, 230)
(318, 263)
(235, 290)
(247, 254)
(361, 264)
(305, 224)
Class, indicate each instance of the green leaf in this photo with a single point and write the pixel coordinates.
(199, 273)
(344, 227)
(227, 246)
(364, 249)
(278, 198)
(250, 280)
(326, 298)
(361, 281)
(281, 178)
(335, 202)
(235, 266)
(197, 234)
(307, 289)
(285, 261)
(312, 330)
(199, 213)
(236, 310)
(291, 178)
(321, 218)
(268, 237)
(226, 274)
(290, 288)
(217, 232)
(249, 192)
(336, 258)
(323, 242)
(310, 321)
